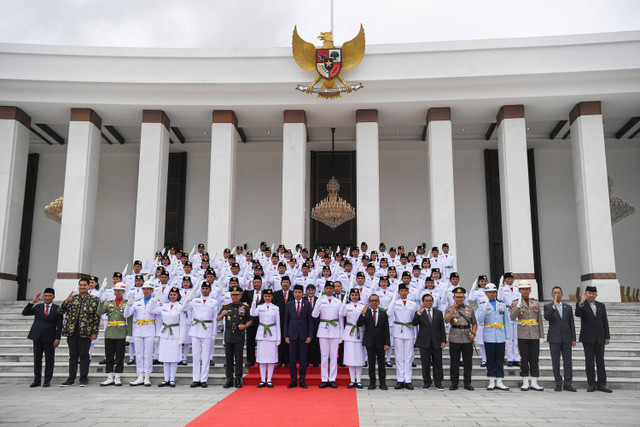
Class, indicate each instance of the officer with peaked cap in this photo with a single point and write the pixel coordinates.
(463, 332)
(528, 312)
(495, 316)
(237, 319)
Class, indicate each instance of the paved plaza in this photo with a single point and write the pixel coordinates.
(128, 406)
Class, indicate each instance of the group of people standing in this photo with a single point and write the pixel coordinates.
(366, 304)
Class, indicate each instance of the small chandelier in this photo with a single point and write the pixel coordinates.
(54, 210)
(333, 211)
(620, 208)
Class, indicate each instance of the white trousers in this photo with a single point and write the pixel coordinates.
(404, 357)
(513, 355)
(144, 354)
(329, 358)
(201, 352)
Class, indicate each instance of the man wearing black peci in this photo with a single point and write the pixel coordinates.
(45, 333)
(280, 299)
(298, 333)
(376, 340)
(431, 340)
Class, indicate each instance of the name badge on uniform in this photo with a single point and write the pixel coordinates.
(501, 311)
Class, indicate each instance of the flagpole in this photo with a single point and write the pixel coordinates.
(332, 17)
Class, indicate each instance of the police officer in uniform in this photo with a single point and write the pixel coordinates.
(528, 312)
(461, 337)
(236, 321)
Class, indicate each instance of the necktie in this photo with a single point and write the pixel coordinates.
(46, 311)
(204, 301)
(404, 302)
(560, 310)
(171, 306)
(285, 297)
(375, 318)
(311, 303)
(429, 314)
(298, 309)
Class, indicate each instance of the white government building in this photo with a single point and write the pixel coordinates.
(502, 148)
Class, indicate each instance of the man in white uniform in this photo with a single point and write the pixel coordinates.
(327, 309)
(401, 312)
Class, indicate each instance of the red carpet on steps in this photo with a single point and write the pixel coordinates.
(251, 406)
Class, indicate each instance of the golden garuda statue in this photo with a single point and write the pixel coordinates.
(328, 61)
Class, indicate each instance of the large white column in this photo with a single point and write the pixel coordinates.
(14, 146)
(222, 180)
(368, 177)
(442, 204)
(597, 255)
(294, 178)
(152, 184)
(517, 235)
(80, 192)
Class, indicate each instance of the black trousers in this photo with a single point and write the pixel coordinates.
(78, 349)
(428, 356)
(283, 348)
(595, 351)
(313, 352)
(233, 353)
(298, 355)
(495, 359)
(340, 353)
(251, 343)
(114, 348)
(529, 357)
(563, 349)
(455, 349)
(40, 347)
(376, 354)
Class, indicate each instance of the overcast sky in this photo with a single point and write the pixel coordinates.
(262, 23)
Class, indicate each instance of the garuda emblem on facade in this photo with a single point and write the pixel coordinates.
(328, 61)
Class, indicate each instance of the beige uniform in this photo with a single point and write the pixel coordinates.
(529, 318)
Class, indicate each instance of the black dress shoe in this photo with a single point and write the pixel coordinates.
(333, 384)
(172, 383)
(570, 388)
(413, 364)
(238, 383)
(84, 383)
(204, 385)
(604, 389)
(383, 386)
(103, 361)
(371, 386)
(292, 384)
(399, 386)
(303, 384)
(453, 387)
(388, 364)
(366, 364)
(270, 384)
(195, 384)
(351, 385)
(279, 365)
(156, 362)
(483, 365)
(35, 384)
(408, 386)
(212, 363)
(323, 385)
(131, 362)
(591, 388)
(510, 363)
(359, 385)
(183, 363)
(262, 384)
(426, 386)
(163, 384)
(469, 387)
(516, 363)
(46, 384)
(67, 383)
(558, 388)
(439, 387)
(228, 384)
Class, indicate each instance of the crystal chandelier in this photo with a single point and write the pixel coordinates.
(54, 210)
(333, 211)
(620, 209)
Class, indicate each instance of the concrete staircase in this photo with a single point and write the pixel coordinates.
(622, 355)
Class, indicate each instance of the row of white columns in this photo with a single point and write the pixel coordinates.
(76, 237)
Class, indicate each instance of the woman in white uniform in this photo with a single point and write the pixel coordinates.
(267, 335)
(171, 334)
(186, 319)
(352, 337)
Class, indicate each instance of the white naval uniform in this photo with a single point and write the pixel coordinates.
(509, 294)
(448, 263)
(170, 314)
(144, 331)
(354, 354)
(400, 317)
(203, 331)
(329, 333)
(479, 296)
(268, 333)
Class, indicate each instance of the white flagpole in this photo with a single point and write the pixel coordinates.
(332, 18)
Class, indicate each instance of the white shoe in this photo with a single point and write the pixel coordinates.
(535, 386)
(500, 385)
(109, 380)
(138, 381)
(147, 381)
(116, 380)
(525, 384)
(492, 383)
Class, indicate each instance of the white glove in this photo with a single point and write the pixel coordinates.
(278, 343)
(103, 298)
(340, 341)
(486, 306)
(475, 284)
(156, 339)
(129, 338)
(158, 294)
(180, 342)
(520, 302)
(501, 283)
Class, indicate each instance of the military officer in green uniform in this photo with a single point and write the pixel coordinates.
(236, 321)
(115, 333)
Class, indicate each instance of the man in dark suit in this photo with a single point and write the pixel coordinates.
(313, 349)
(45, 334)
(247, 297)
(431, 340)
(561, 337)
(376, 340)
(280, 299)
(594, 335)
(297, 333)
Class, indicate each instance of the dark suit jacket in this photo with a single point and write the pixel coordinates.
(278, 300)
(298, 327)
(49, 329)
(561, 329)
(375, 335)
(593, 329)
(314, 320)
(430, 333)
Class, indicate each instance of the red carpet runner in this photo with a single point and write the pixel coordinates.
(251, 406)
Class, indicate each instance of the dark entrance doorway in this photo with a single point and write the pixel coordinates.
(345, 173)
